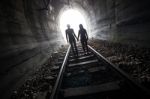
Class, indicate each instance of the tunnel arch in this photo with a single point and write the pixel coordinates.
(80, 10)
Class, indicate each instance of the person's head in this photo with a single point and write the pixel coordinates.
(80, 26)
(68, 25)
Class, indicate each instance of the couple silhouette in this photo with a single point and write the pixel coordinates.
(71, 38)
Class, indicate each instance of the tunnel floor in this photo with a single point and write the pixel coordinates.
(134, 60)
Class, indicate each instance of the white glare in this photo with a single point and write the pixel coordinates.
(72, 17)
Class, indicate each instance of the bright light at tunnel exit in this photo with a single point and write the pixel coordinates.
(74, 18)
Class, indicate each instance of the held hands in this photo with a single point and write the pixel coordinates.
(77, 39)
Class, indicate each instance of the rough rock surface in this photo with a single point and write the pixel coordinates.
(134, 60)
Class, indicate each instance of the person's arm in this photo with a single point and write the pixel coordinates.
(74, 34)
(66, 36)
(78, 34)
(86, 35)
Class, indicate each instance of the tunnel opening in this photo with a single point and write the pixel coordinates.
(72, 17)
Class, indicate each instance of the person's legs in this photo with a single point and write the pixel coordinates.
(82, 42)
(75, 47)
(86, 46)
(72, 46)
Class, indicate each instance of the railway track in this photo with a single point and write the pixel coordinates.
(92, 76)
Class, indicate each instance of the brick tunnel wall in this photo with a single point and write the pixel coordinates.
(125, 21)
(28, 35)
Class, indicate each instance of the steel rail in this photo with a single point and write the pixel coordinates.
(144, 90)
(60, 75)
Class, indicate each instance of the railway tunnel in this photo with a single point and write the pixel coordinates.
(30, 31)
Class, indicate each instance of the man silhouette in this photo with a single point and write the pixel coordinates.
(83, 37)
(70, 36)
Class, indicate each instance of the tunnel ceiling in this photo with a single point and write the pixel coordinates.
(29, 29)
